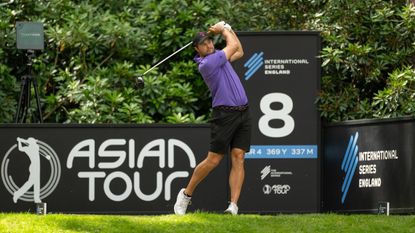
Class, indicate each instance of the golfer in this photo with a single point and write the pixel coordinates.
(230, 123)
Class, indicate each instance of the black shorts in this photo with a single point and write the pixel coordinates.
(230, 129)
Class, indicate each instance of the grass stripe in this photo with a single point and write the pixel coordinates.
(206, 222)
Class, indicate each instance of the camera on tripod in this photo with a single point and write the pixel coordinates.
(29, 37)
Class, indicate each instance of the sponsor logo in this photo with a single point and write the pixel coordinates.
(272, 172)
(278, 189)
(265, 171)
(253, 64)
(367, 163)
(349, 164)
(121, 153)
(276, 67)
(36, 151)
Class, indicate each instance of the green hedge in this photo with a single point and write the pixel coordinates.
(367, 56)
(94, 49)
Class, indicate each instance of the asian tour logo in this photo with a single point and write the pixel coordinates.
(253, 64)
(349, 164)
(36, 151)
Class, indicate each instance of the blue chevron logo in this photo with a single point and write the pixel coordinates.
(253, 64)
(349, 164)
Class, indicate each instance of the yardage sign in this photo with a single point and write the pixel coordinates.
(281, 74)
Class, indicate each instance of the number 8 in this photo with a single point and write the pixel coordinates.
(281, 114)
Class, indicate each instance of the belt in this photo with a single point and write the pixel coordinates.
(240, 108)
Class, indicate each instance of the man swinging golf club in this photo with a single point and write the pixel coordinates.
(230, 123)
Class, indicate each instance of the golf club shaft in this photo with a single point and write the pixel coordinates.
(167, 58)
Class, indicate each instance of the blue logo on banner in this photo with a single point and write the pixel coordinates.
(349, 164)
(253, 64)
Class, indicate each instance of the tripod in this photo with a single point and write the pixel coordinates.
(25, 93)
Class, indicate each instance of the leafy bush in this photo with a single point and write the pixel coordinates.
(94, 50)
(366, 45)
(397, 98)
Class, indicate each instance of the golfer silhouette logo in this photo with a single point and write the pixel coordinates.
(31, 148)
(35, 151)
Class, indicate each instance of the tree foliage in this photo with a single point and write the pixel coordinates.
(94, 50)
(368, 48)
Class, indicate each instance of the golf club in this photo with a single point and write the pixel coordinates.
(140, 80)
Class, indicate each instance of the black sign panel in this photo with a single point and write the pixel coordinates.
(370, 162)
(281, 74)
(105, 168)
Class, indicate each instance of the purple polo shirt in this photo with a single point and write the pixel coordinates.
(223, 82)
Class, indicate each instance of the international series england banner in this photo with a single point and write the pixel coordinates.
(368, 163)
(281, 74)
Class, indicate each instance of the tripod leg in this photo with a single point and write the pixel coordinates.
(25, 94)
(39, 110)
(22, 97)
(27, 99)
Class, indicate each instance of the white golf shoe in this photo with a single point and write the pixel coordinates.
(232, 209)
(182, 202)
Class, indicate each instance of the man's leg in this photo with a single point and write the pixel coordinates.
(240, 144)
(236, 179)
(202, 170)
(237, 175)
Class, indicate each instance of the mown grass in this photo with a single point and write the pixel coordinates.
(206, 222)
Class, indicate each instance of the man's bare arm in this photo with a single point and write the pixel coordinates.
(233, 49)
(240, 52)
(232, 44)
